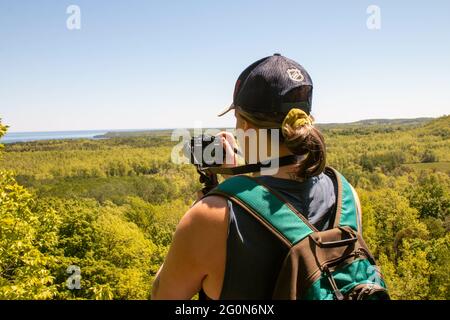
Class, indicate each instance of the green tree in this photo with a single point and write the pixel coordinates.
(430, 195)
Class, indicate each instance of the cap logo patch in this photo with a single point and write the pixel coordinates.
(295, 74)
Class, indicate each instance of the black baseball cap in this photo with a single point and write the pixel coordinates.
(269, 88)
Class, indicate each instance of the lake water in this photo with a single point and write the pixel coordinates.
(12, 137)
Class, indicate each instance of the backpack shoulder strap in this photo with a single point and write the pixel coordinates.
(267, 207)
(347, 209)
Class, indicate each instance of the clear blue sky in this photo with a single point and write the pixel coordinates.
(160, 64)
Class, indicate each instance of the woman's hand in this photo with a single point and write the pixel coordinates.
(229, 145)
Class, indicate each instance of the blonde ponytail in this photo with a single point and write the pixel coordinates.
(303, 138)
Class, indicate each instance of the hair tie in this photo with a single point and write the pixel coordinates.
(296, 118)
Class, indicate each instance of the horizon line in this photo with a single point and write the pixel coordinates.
(174, 128)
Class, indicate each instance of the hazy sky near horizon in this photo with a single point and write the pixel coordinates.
(165, 64)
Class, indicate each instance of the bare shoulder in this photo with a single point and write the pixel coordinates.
(196, 256)
(203, 232)
(211, 210)
(211, 203)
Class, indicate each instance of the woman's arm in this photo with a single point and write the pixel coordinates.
(197, 252)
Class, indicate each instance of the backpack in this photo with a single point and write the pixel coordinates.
(320, 265)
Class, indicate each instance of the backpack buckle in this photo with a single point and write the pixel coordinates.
(337, 293)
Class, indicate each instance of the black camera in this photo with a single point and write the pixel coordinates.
(205, 151)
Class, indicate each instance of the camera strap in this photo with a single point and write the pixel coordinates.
(247, 168)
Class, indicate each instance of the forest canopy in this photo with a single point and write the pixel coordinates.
(109, 207)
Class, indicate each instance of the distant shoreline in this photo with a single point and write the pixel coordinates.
(17, 137)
